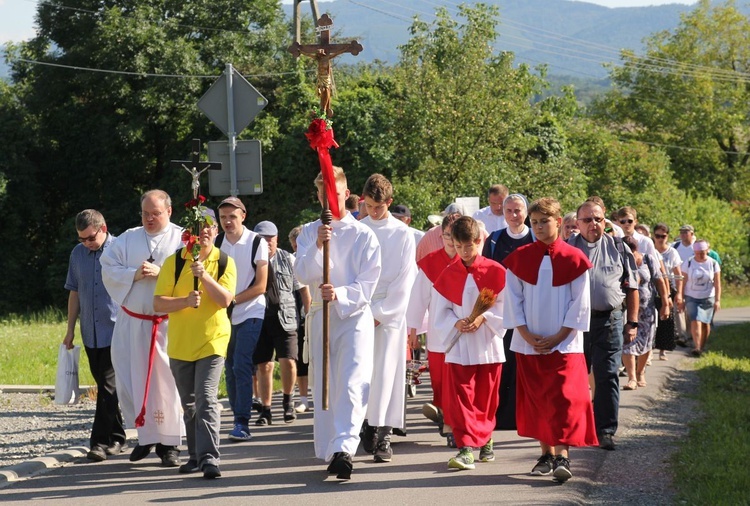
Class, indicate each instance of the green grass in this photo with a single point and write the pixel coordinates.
(711, 465)
(735, 296)
(28, 354)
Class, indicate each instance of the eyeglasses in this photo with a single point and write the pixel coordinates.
(90, 238)
(146, 215)
(660, 236)
(622, 222)
(596, 219)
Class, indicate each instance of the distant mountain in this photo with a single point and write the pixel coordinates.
(574, 38)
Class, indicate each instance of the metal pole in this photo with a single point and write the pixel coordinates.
(231, 134)
(326, 217)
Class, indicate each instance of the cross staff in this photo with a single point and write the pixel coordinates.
(195, 167)
(324, 52)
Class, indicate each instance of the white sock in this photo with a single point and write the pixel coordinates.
(303, 399)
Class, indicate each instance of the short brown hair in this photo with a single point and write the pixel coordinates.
(627, 210)
(352, 202)
(547, 206)
(378, 188)
(449, 220)
(465, 229)
(338, 177)
(498, 189)
(89, 218)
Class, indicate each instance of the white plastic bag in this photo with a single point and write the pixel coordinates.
(66, 386)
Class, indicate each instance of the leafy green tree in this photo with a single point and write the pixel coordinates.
(689, 92)
(98, 139)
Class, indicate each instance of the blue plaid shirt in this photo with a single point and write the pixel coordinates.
(98, 310)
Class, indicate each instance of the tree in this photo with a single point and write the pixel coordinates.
(690, 92)
(98, 139)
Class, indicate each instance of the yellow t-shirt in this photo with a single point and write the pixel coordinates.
(196, 333)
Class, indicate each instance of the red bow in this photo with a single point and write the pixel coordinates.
(320, 137)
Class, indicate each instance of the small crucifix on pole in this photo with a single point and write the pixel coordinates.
(323, 53)
(195, 167)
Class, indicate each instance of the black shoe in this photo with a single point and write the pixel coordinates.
(96, 454)
(290, 414)
(116, 448)
(399, 431)
(561, 471)
(170, 455)
(140, 452)
(383, 452)
(257, 405)
(606, 442)
(190, 466)
(369, 437)
(211, 471)
(264, 418)
(341, 466)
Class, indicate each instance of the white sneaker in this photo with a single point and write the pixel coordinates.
(302, 407)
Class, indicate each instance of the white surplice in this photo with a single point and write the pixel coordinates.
(388, 386)
(544, 309)
(131, 339)
(354, 270)
(485, 346)
(421, 304)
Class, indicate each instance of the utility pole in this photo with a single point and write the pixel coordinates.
(298, 18)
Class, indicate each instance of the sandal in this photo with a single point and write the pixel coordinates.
(663, 356)
(632, 385)
(642, 381)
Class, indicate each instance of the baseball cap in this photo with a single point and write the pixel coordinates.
(234, 202)
(687, 228)
(401, 210)
(266, 229)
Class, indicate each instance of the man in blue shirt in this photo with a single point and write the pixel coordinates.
(89, 299)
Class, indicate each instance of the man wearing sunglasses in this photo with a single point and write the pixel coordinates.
(97, 311)
(612, 282)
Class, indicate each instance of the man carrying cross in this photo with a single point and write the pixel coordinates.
(355, 262)
(130, 267)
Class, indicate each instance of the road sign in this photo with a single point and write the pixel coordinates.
(246, 103)
(249, 168)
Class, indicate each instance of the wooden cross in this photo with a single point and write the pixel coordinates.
(195, 167)
(324, 52)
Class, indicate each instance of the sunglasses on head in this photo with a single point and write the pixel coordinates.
(624, 221)
(660, 236)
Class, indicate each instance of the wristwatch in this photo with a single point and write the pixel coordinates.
(633, 324)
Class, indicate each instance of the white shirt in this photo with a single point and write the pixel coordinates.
(241, 252)
(544, 309)
(491, 221)
(685, 251)
(700, 277)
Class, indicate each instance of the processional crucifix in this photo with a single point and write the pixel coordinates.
(323, 53)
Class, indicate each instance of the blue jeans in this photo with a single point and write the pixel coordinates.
(603, 349)
(240, 368)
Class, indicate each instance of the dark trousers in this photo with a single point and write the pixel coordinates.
(602, 346)
(506, 410)
(108, 426)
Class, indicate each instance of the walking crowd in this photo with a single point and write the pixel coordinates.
(528, 317)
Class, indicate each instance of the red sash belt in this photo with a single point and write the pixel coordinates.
(155, 321)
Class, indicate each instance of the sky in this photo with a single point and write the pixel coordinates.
(17, 16)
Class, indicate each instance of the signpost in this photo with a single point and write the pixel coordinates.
(231, 103)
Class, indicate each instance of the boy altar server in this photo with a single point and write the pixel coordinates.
(422, 300)
(475, 360)
(547, 302)
(354, 271)
(385, 409)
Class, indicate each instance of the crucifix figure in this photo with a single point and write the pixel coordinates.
(323, 53)
(195, 167)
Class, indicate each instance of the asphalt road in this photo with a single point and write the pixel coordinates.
(278, 467)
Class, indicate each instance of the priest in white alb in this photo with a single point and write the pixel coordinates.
(130, 267)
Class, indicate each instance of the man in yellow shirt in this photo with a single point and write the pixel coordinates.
(198, 338)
